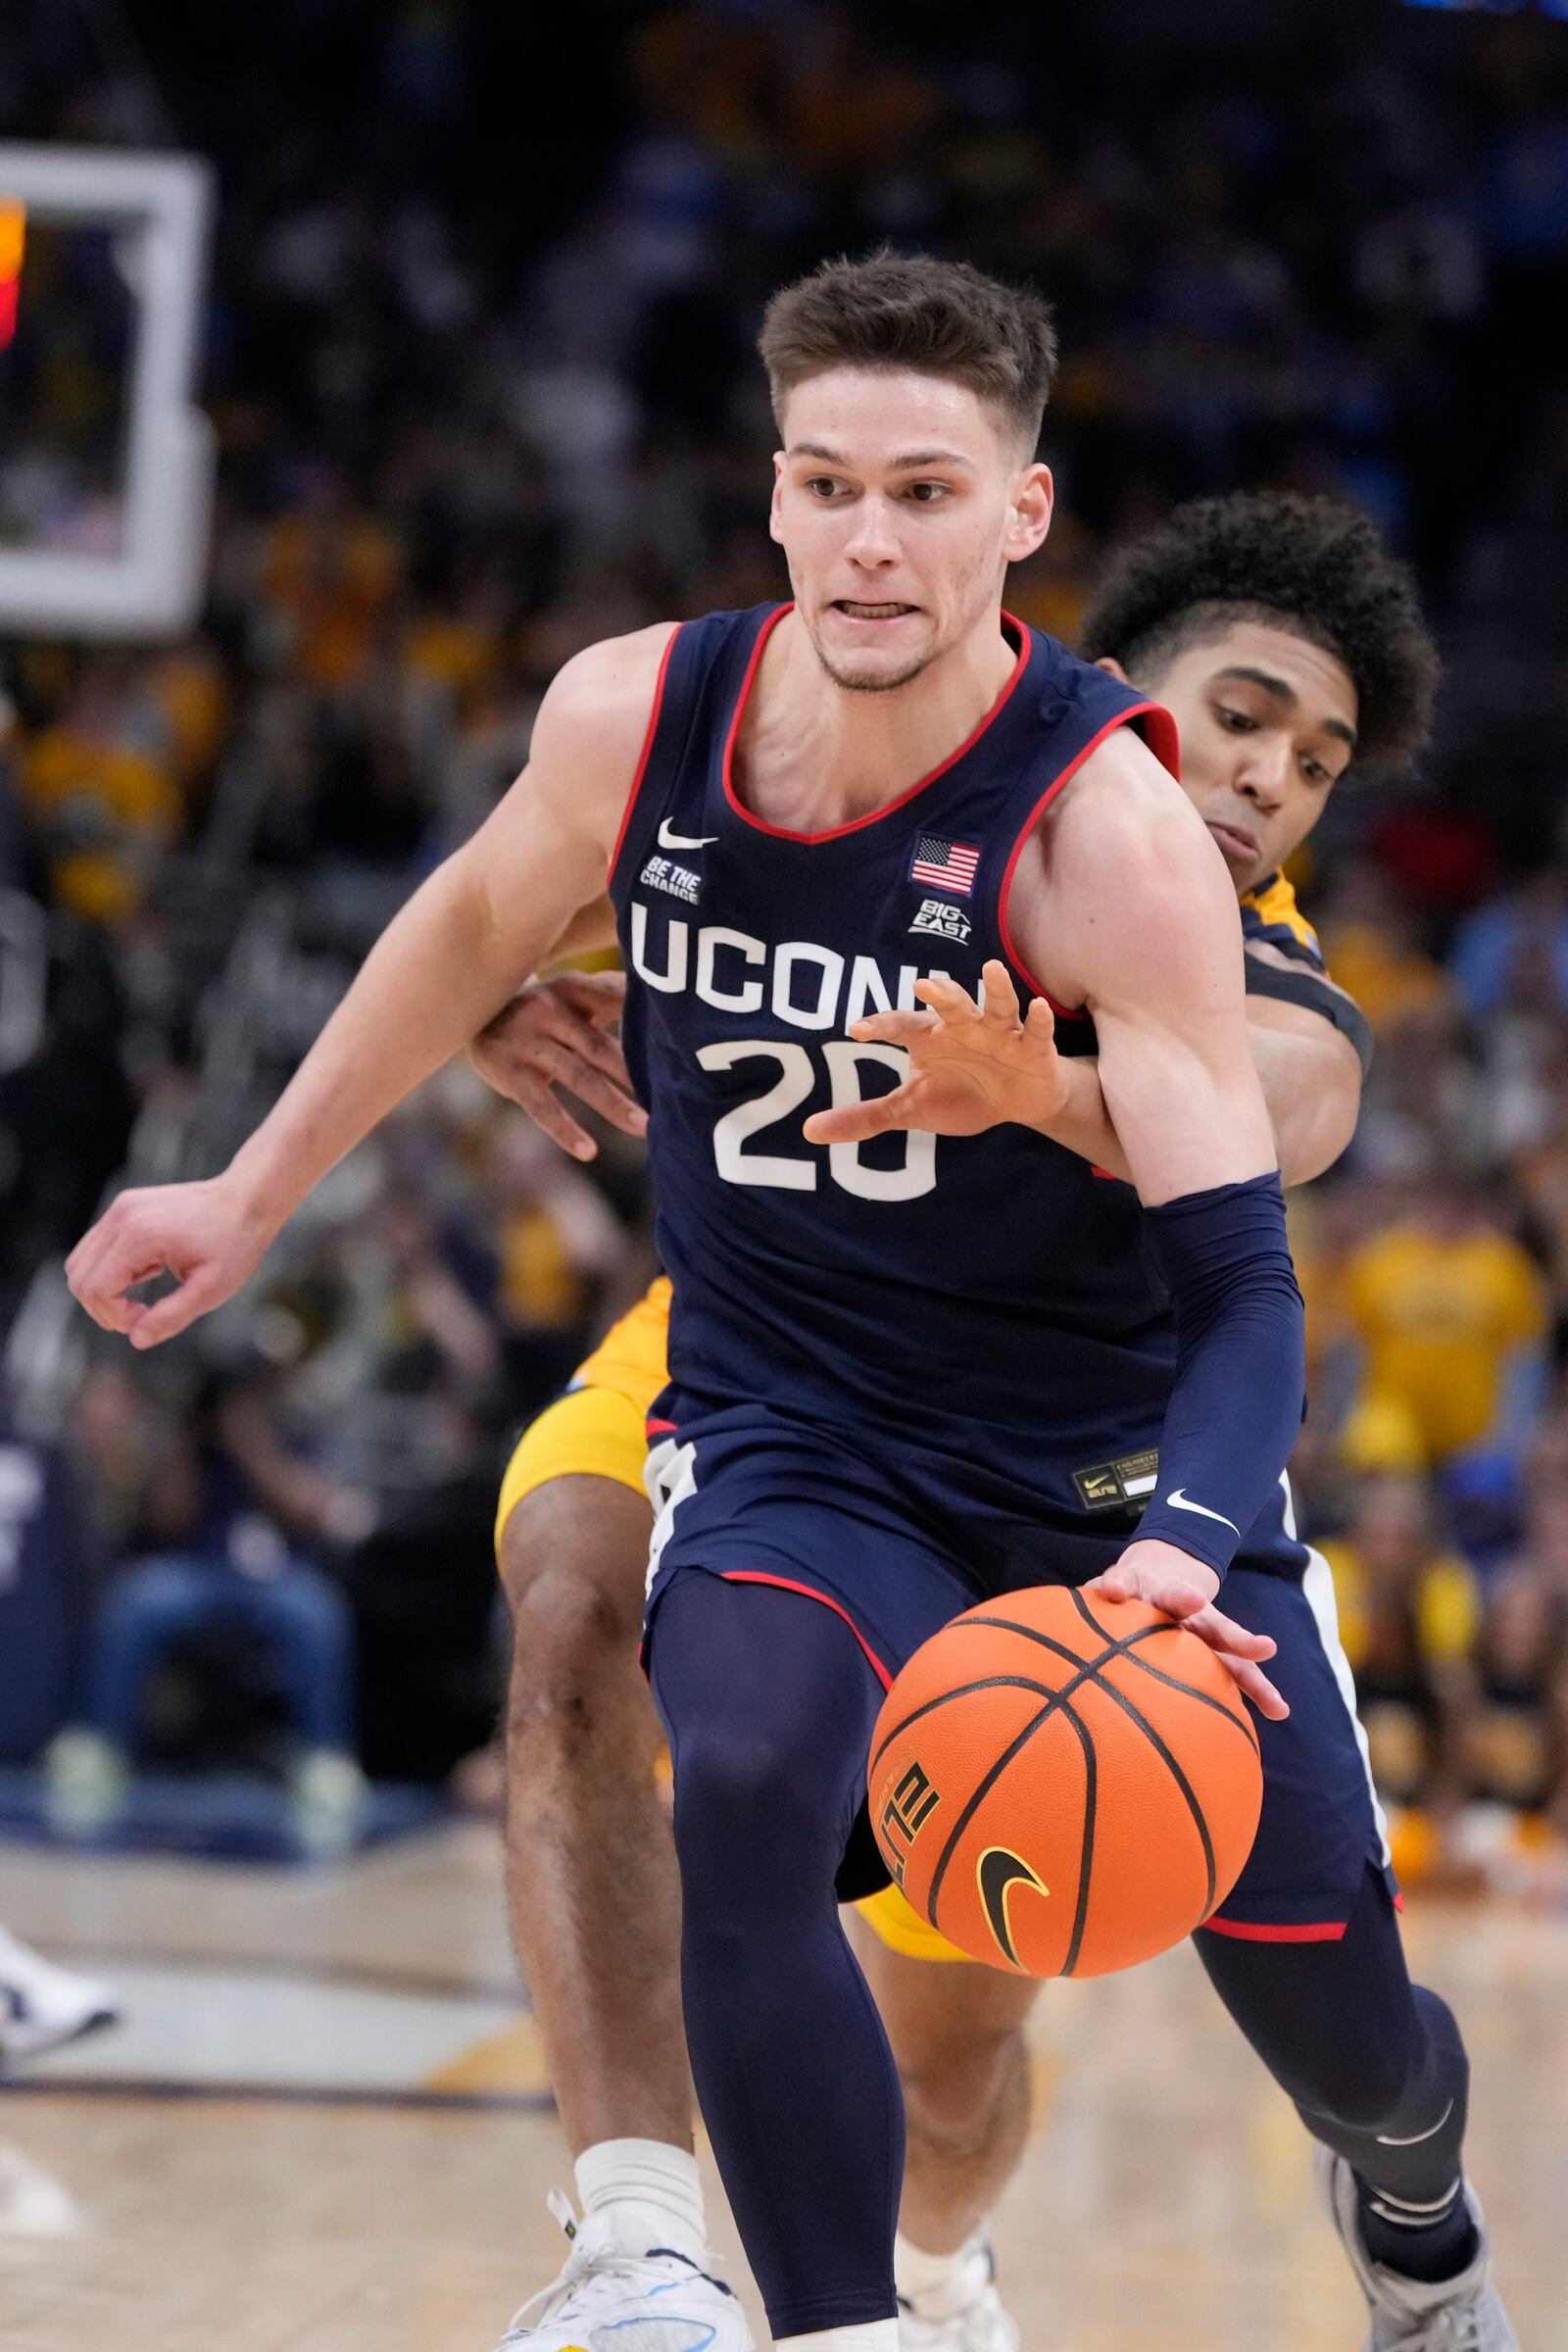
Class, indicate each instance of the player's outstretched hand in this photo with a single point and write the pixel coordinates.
(207, 1235)
(968, 1069)
(1184, 1587)
(556, 1033)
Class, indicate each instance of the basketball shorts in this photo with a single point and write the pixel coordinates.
(877, 1532)
(599, 1430)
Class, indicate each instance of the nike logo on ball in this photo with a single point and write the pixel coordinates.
(670, 838)
(1179, 1502)
(998, 1872)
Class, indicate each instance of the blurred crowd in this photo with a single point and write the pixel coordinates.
(479, 407)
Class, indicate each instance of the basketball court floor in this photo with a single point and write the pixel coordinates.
(323, 2126)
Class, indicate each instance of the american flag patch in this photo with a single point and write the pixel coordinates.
(944, 865)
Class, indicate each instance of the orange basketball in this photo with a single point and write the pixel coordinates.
(1064, 1784)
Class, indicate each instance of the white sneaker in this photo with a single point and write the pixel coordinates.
(608, 2299)
(966, 2315)
(1463, 2314)
(86, 1777)
(329, 1796)
(41, 2005)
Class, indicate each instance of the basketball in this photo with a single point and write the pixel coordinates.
(1064, 1784)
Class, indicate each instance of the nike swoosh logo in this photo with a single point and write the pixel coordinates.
(997, 1874)
(1179, 1502)
(669, 839)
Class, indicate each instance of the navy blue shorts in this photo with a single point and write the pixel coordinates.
(884, 1535)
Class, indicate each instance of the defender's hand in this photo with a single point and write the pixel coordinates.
(209, 1235)
(970, 1070)
(1185, 1589)
(556, 1033)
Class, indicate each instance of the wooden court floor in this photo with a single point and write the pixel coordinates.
(323, 2128)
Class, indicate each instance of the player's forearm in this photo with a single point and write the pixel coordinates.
(1241, 1374)
(1306, 1102)
(1312, 1089)
(438, 972)
(1083, 1124)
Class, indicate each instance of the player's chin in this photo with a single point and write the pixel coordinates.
(875, 665)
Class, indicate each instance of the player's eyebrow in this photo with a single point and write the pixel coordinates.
(1285, 693)
(907, 461)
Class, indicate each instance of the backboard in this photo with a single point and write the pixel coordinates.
(105, 465)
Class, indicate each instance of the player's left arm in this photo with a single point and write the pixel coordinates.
(1127, 904)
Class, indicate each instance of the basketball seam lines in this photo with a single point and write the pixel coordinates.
(1057, 1699)
(1173, 1681)
(929, 1707)
(1089, 1671)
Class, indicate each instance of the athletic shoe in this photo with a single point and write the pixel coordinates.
(966, 2315)
(608, 2299)
(1463, 2314)
(42, 2005)
(86, 1778)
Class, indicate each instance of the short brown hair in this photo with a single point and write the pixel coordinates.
(894, 310)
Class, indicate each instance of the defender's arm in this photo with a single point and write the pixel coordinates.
(1310, 1070)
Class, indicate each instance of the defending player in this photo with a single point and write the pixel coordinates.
(886, 1361)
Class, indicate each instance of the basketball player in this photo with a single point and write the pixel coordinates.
(1226, 613)
(886, 1363)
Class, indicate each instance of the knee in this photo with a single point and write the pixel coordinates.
(155, 1595)
(576, 1621)
(1369, 2089)
(303, 1602)
(743, 1819)
(953, 2092)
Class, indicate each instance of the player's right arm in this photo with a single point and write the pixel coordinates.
(444, 966)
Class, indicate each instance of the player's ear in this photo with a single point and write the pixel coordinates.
(1034, 495)
(775, 523)
(1112, 668)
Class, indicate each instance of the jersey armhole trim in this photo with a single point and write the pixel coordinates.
(1162, 742)
(645, 754)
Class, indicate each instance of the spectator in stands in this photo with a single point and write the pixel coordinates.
(558, 1244)
(228, 1524)
(1451, 1315)
(1410, 1617)
(1517, 1755)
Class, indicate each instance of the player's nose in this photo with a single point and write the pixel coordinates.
(1262, 774)
(873, 540)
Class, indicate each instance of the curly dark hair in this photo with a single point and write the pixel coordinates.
(1307, 564)
(897, 310)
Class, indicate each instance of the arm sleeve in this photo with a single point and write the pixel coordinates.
(1240, 1365)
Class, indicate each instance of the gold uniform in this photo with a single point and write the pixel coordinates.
(599, 1430)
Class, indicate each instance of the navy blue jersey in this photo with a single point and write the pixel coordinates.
(985, 1298)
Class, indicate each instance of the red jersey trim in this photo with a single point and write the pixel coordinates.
(1250, 1930)
(645, 756)
(873, 817)
(1166, 750)
(660, 1429)
(785, 1584)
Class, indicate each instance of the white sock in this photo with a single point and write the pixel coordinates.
(656, 2180)
(871, 2336)
(917, 2273)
